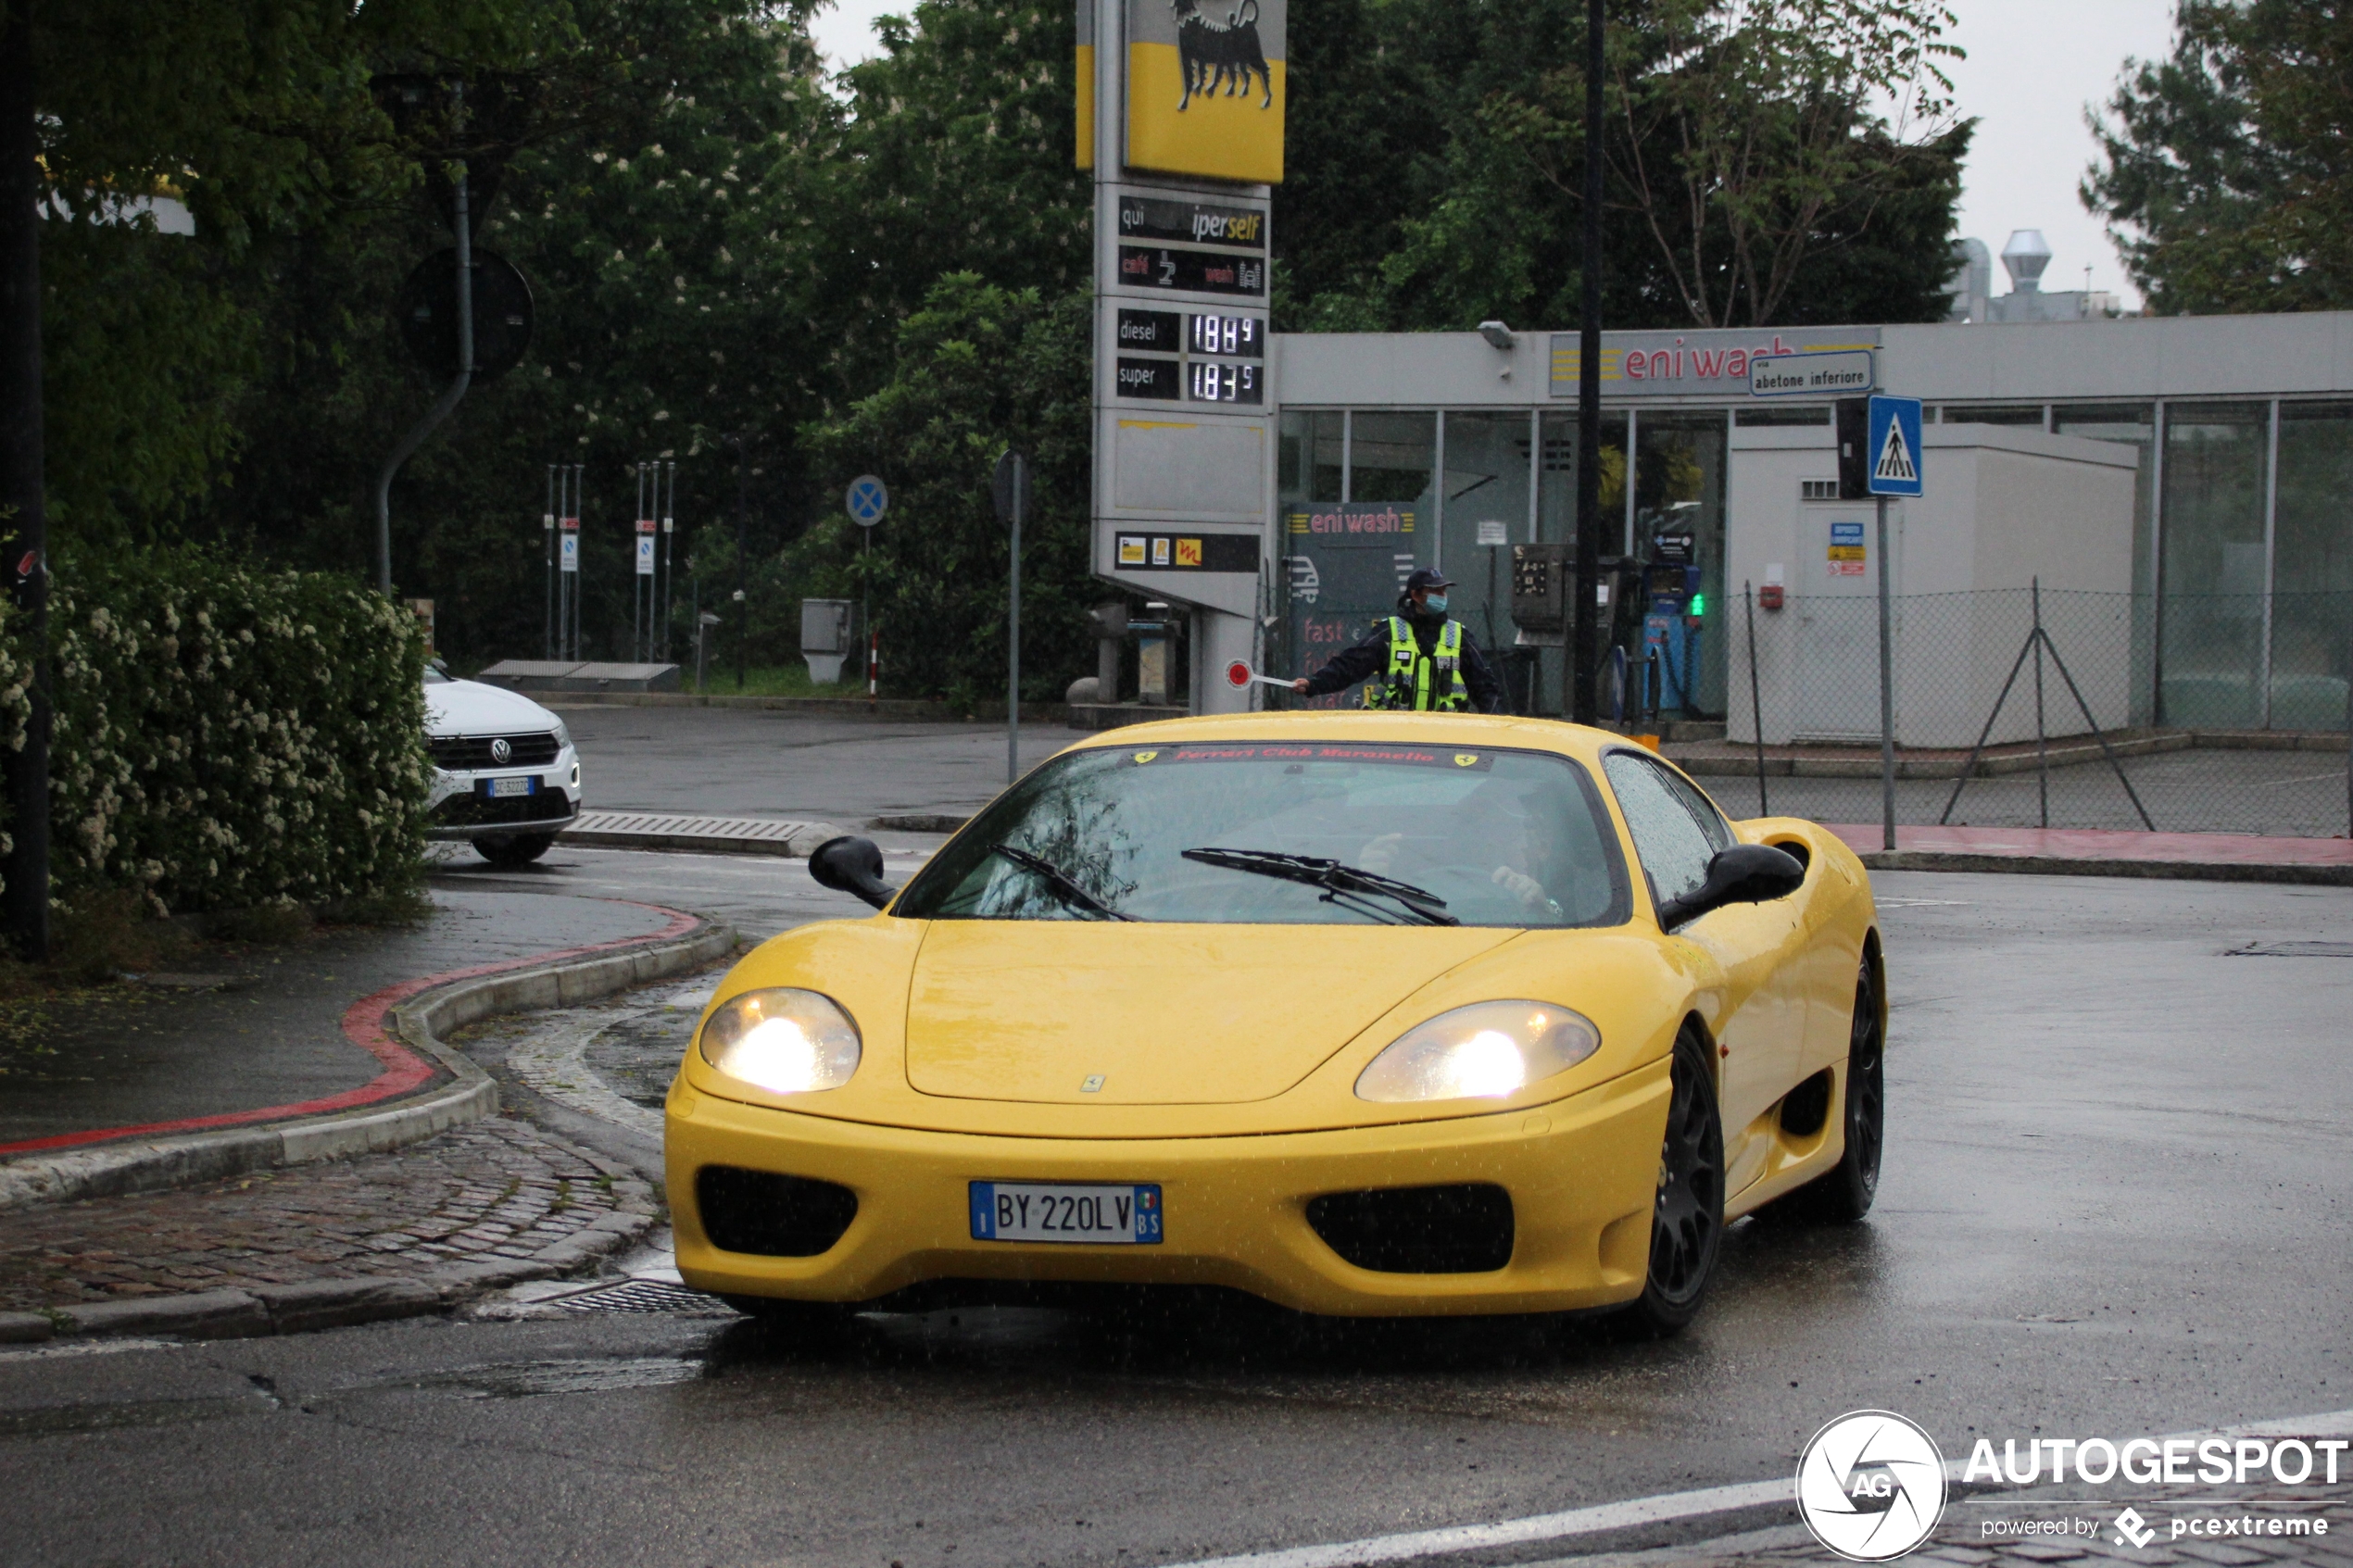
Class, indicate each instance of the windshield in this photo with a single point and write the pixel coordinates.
(1499, 838)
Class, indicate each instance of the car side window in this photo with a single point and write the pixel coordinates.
(1676, 830)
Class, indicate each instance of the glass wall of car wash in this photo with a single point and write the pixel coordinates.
(1367, 496)
(2242, 553)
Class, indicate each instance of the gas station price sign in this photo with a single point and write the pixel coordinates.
(1210, 381)
(1239, 337)
(1196, 271)
(1214, 357)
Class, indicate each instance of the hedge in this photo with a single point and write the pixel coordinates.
(226, 736)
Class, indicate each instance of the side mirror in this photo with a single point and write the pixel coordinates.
(1746, 873)
(851, 865)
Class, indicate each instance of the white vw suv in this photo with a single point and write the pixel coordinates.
(506, 777)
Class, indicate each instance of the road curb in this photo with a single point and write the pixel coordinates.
(418, 1022)
(314, 1304)
(2058, 865)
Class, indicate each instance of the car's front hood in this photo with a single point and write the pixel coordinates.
(1152, 1013)
(472, 708)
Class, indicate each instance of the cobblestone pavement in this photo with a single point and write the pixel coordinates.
(2224, 1527)
(494, 1189)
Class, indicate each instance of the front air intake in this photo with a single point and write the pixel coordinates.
(769, 1215)
(1462, 1229)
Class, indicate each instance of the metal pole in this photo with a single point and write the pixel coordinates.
(1584, 653)
(1886, 692)
(547, 549)
(1013, 631)
(579, 574)
(669, 571)
(638, 588)
(2041, 746)
(22, 464)
(1756, 702)
(2099, 735)
(743, 559)
(567, 509)
(442, 405)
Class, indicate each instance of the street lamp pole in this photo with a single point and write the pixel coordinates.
(1585, 621)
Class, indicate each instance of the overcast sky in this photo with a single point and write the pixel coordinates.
(2033, 65)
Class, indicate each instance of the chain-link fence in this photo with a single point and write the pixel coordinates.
(2211, 714)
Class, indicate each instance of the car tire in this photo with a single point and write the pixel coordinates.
(1842, 1194)
(517, 849)
(1687, 1225)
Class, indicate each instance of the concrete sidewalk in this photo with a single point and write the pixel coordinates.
(267, 1034)
(269, 1095)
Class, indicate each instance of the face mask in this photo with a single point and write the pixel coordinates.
(1436, 604)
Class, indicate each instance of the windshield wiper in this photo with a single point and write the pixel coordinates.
(1060, 880)
(1341, 884)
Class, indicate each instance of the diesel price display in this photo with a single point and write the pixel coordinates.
(1234, 376)
(1242, 337)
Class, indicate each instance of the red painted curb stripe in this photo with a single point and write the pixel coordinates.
(363, 1023)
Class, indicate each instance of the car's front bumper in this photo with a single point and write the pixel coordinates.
(458, 810)
(1582, 1174)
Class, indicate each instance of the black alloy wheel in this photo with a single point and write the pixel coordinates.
(516, 849)
(1842, 1194)
(1687, 1225)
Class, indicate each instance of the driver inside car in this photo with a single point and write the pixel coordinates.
(1510, 845)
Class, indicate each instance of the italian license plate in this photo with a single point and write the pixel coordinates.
(1116, 1216)
(502, 788)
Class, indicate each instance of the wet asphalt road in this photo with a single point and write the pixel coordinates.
(2116, 1201)
(754, 762)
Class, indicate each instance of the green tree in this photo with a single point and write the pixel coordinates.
(979, 368)
(956, 156)
(2221, 169)
(258, 115)
(669, 240)
(1750, 178)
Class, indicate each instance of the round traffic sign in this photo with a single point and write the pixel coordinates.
(1238, 674)
(867, 500)
(426, 313)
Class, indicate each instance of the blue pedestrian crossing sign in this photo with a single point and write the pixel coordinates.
(1895, 447)
(868, 500)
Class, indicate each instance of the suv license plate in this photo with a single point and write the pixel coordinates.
(502, 788)
(1101, 1213)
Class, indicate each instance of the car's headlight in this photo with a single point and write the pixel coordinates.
(785, 1041)
(1489, 1050)
(563, 735)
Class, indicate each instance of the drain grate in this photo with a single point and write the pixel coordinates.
(642, 1296)
(2292, 950)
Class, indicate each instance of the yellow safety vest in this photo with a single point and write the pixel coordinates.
(1408, 680)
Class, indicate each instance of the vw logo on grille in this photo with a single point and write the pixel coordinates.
(501, 750)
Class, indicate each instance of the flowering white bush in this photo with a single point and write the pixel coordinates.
(227, 736)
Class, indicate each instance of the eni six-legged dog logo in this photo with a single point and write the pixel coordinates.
(1229, 55)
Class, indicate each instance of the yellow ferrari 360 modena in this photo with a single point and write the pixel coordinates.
(1366, 1014)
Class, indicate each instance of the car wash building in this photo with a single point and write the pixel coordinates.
(2166, 496)
(2180, 488)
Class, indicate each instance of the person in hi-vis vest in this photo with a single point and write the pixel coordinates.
(1416, 660)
